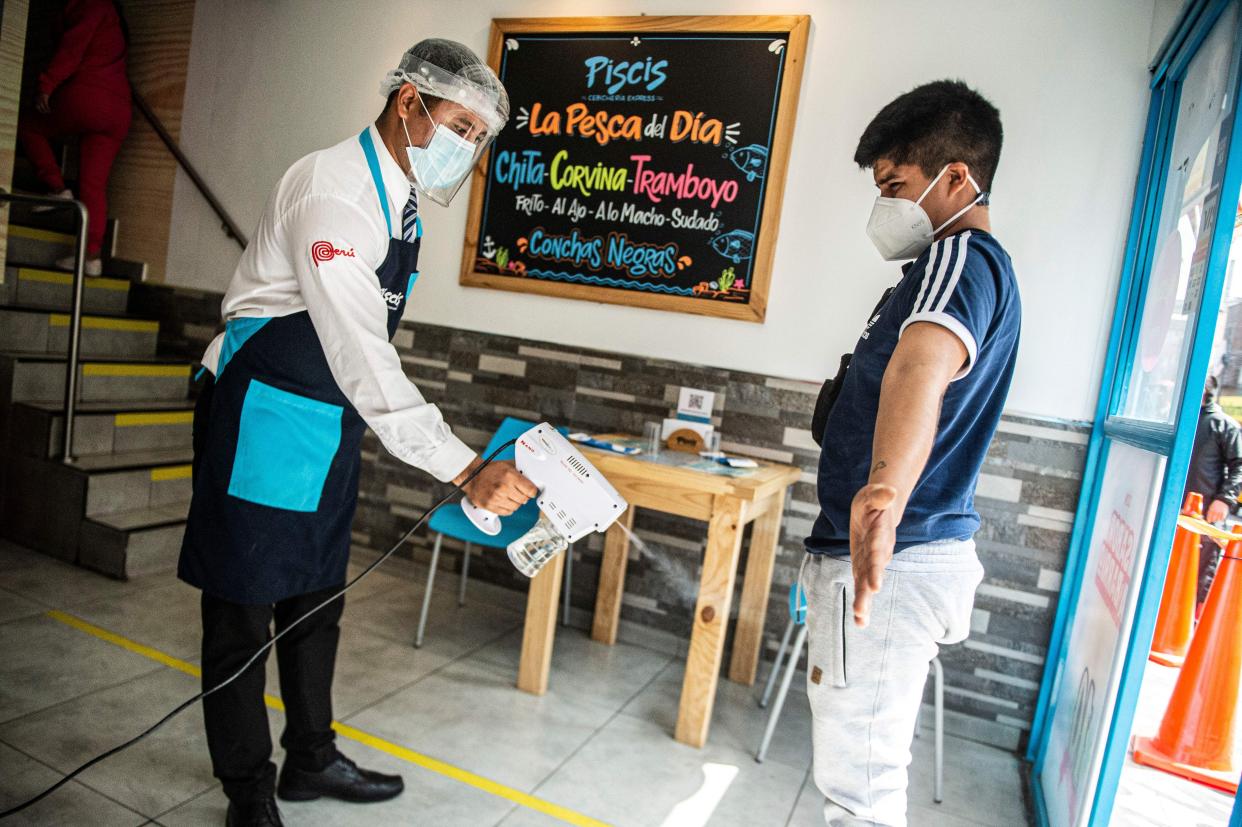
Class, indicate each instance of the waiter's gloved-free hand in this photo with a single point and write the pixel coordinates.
(499, 487)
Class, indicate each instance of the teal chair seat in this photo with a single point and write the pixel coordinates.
(451, 521)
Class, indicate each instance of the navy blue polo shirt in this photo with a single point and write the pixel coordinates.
(965, 283)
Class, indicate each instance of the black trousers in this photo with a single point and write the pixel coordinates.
(236, 717)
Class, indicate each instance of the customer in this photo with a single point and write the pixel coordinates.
(84, 92)
(903, 445)
(1216, 473)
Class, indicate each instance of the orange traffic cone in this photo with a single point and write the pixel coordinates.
(1176, 620)
(1196, 736)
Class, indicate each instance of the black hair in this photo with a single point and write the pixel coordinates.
(1211, 387)
(932, 125)
(429, 101)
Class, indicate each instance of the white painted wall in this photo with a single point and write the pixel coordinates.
(271, 80)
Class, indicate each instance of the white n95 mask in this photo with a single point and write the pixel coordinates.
(901, 229)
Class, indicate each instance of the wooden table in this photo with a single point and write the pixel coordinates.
(727, 503)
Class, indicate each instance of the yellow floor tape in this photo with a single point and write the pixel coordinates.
(345, 731)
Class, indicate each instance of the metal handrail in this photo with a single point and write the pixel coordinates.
(229, 225)
(75, 312)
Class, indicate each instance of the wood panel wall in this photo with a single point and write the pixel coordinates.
(13, 15)
(140, 192)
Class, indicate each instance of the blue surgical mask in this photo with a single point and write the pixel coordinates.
(442, 164)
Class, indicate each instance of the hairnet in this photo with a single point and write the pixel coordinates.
(449, 70)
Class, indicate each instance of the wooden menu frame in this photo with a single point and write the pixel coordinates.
(794, 28)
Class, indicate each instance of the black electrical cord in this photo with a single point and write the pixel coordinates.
(258, 653)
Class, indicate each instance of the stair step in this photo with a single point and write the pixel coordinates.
(41, 330)
(38, 246)
(132, 460)
(25, 179)
(48, 288)
(119, 406)
(39, 377)
(120, 507)
(60, 221)
(85, 512)
(44, 501)
(103, 428)
(139, 518)
(130, 543)
(135, 479)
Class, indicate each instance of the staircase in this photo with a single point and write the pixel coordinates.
(120, 507)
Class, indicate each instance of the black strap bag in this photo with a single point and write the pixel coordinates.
(832, 388)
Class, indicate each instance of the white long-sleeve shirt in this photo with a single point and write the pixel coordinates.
(329, 196)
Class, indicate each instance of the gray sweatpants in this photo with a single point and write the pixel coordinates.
(866, 685)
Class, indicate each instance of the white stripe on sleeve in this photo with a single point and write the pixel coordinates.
(958, 266)
(927, 272)
(945, 254)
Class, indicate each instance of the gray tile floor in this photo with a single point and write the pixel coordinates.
(1147, 797)
(599, 743)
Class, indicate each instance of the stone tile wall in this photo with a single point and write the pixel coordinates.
(1027, 493)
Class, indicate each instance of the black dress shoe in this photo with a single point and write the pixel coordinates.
(259, 812)
(341, 779)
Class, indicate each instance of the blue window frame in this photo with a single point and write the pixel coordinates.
(1167, 435)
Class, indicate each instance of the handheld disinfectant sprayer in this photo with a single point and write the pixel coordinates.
(574, 499)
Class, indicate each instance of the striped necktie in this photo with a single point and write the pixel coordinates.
(409, 217)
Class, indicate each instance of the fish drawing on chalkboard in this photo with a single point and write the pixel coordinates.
(751, 159)
(734, 245)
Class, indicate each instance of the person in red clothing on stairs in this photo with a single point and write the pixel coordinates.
(85, 92)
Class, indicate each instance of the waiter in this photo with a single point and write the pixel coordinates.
(304, 365)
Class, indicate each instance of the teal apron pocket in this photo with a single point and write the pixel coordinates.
(285, 447)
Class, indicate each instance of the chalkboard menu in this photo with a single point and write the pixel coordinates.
(643, 163)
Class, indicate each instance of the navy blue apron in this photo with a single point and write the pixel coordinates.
(277, 450)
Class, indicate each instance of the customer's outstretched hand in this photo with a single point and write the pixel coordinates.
(873, 533)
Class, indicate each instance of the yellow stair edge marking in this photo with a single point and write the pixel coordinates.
(37, 234)
(53, 277)
(106, 323)
(108, 369)
(346, 731)
(127, 420)
(171, 472)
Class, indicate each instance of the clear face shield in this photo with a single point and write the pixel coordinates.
(469, 114)
(459, 138)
